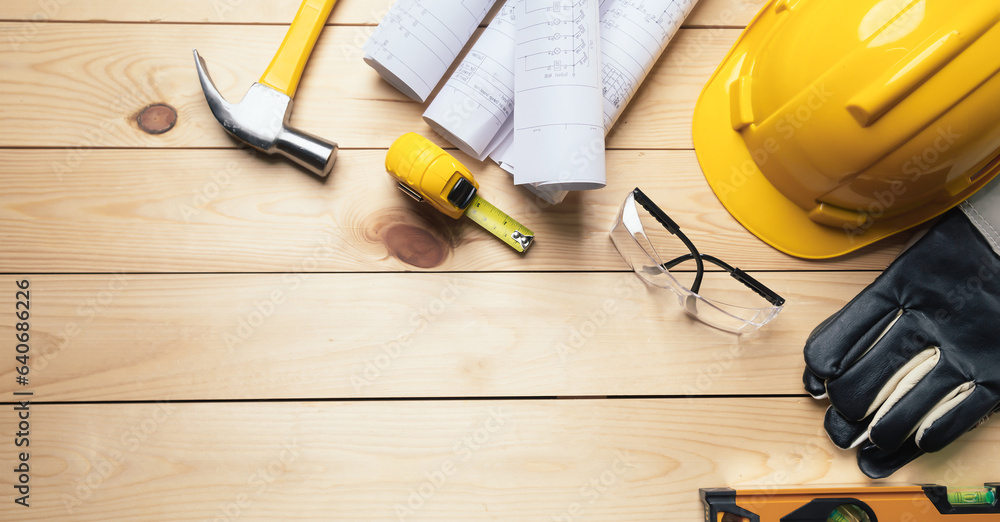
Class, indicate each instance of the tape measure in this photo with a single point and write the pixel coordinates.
(427, 173)
(851, 504)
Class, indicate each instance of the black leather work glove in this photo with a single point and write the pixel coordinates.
(913, 361)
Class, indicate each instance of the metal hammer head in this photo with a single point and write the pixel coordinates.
(261, 121)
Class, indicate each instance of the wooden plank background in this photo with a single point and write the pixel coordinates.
(217, 336)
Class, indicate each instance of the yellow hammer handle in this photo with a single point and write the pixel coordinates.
(286, 68)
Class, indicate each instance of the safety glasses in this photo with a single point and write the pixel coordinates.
(661, 255)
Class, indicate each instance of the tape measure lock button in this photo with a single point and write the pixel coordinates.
(462, 194)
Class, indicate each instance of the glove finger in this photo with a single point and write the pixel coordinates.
(869, 382)
(963, 411)
(878, 463)
(846, 335)
(813, 384)
(918, 394)
(844, 433)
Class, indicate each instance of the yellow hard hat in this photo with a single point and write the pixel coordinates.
(831, 125)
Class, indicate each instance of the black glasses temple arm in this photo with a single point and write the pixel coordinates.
(758, 287)
(659, 215)
(737, 274)
(662, 218)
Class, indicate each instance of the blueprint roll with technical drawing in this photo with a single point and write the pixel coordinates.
(558, 123)
(473, 108)
(417, 41)
(634, 33)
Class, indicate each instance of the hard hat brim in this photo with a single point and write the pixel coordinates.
(746, 193)
(815, 181)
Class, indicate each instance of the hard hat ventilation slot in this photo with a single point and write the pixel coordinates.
(990, 168)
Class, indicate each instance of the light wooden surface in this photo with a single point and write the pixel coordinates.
(217, 336)
(530, 460)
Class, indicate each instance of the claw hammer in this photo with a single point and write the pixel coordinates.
(261, 118)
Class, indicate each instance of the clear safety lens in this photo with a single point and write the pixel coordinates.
(722, 301)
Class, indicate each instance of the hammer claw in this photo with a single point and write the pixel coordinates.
(260, 120)
(221, 108)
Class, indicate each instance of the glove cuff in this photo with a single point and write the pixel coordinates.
(983, 209)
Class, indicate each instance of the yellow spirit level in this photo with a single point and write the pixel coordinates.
(926, 503)
(427, 173)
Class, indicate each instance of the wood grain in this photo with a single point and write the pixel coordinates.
(708, 12)
(334, 351)
(298, 335)
(496, 460)
(206, 210)
(80, 87)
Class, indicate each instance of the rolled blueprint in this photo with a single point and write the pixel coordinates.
(558, 122)
(633, 36)
(418, 40)
(473, 108)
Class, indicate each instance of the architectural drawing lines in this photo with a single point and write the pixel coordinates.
(419, 39)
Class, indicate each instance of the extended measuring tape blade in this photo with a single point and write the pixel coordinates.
(518, 236)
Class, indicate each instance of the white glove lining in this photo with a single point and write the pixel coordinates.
(948, 403)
